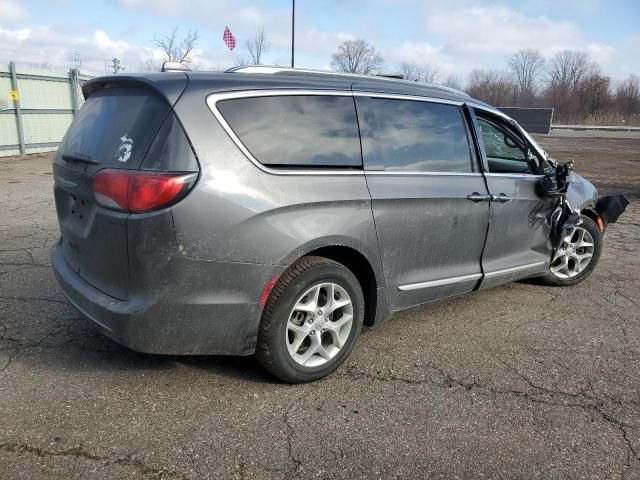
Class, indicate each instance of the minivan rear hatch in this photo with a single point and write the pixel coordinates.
(113, 130)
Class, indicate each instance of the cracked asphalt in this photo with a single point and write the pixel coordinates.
(522, 381)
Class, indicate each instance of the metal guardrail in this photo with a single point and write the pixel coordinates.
(607, 128)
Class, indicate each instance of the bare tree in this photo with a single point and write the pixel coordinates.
(452, 81)
(257, 46)
(242, 60)
(567, 68)
(418, 72)
(594, 94)
(177, 49)
(526, 66)
(628, 95)
(491, 86)
(356, 56)
(149, 65)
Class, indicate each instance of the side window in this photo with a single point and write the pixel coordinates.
(505, 152)
(297, 130)
(414, 136)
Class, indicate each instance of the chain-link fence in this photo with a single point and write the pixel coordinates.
(41, 105)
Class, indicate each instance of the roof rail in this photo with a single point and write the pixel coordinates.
(274, 69)
(174, 67)
(448, 89)
(392, 75)
(271, 69)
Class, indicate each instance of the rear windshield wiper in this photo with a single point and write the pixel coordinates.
(76, 157)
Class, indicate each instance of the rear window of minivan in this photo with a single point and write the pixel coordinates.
(296, 130)
(115, 127)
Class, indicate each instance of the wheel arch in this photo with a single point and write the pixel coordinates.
(363, 267)
(590, 211)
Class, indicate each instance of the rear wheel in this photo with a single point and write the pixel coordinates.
(577, 255)
(311, 321)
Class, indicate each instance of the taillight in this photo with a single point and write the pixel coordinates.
(138, 192)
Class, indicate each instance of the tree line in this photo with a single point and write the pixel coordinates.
(570, 81)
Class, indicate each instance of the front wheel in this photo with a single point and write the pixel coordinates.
(577, 255)
(311, 321)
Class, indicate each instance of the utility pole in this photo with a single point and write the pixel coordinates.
(293, 33)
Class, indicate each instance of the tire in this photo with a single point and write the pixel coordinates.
(551, 278)
(310, 277)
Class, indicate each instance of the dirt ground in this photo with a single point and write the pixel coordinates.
(611, 160)
(522, 381)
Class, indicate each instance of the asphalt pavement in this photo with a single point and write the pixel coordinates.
(523, 381)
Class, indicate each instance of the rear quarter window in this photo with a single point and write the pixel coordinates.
(296, 130)
(413, 136)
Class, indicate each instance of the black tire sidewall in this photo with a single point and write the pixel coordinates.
(282, 364)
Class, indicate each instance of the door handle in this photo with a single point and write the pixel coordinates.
(478, 197)
(502, 198)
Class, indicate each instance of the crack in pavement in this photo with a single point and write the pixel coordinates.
(597, 407)
(589, 404)
(19, 249)
(22, 346)
(297, 463)
(80, 453)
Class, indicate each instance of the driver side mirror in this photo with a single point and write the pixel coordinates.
(532, 159)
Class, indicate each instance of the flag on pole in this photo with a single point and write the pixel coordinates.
(229, 39)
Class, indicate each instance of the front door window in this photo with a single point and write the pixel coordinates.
(505, 151)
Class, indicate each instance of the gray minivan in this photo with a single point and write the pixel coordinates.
(275, 211)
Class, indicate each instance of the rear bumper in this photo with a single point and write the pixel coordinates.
(203, 308)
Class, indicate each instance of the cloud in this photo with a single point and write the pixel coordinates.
(422, 53)
(499, 30)
(44, 45)
(454, 40)
(461, 39)
(618, 62)
(12, 11)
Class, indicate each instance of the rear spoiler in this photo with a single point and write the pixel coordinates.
(169, 85)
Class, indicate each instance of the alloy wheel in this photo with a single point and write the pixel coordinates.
(319, 324)
(574, 254)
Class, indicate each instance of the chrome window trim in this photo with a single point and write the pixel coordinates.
(514, 175)
(420, 173)
(467, 278)
(438, 283)
(214, 98)
(506, 271)
(400, 96)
